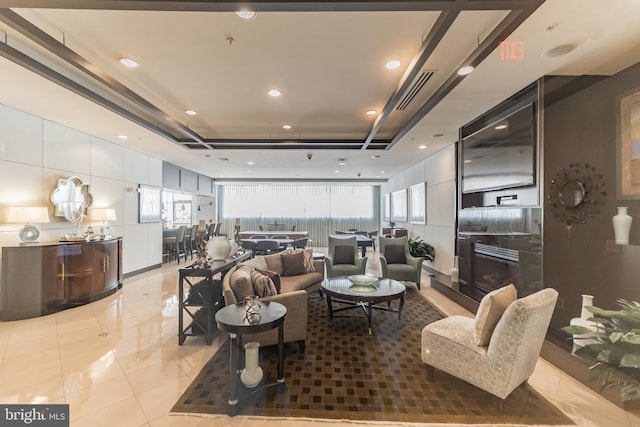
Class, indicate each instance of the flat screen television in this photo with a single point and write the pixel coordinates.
(502, 154)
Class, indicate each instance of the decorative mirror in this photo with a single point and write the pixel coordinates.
(571, 194)
(576, 194)
(72, 200)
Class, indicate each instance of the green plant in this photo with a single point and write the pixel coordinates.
(617, 351)
(392, 224)
(421, 249)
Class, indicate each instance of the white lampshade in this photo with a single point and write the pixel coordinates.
(28, 215)
(103, 214)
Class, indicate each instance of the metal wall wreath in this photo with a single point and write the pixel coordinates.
(576, 194)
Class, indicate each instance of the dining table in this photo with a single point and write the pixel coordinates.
(283, 242)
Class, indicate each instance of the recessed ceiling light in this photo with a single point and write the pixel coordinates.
(392, 65)
(274, 92)
(561, 50)
(437, 135)
(129, 63)
(224, 159)
(500, 127)
(336, 171)
(342, 163)
(422, 147)
(467, 161)
(121, 136)
(191, 112)
(246, 14)
(377, 176)
(248, 171)
(465, 70)
(371, 112)
(376, 156)
(250, 163)
(287, 127)
(381, 171)
(207, 155)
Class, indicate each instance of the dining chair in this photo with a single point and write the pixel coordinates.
(180, 249)
(193, 247)
(258, 236)
(373, 235)
(260, 226)
(217, 231)
(266, 247)
(293, 228)
(300, 243)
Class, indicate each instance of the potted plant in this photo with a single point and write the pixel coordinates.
(421, 249)
(392, 224)
(616, 352)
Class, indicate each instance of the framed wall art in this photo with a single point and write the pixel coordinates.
(150, 206)
(386, 208)
(629, 147)
(399, 205)
(418, 203)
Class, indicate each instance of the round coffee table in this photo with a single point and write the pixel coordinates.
(341, 290)
(233, 320)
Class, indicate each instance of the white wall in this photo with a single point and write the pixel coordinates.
(439, 173)
(35, 153)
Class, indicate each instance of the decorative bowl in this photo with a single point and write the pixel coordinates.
(362, 280)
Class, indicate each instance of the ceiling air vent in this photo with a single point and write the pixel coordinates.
(417, 85)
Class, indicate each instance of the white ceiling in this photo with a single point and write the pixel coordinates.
(329, 66)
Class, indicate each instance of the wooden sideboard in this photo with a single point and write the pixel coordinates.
(49, 277)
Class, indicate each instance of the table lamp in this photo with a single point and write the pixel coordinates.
(105, 215)
(29, 215)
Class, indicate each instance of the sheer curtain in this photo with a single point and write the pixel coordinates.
(319, 209)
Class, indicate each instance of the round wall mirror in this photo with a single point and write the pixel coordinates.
(571, 194)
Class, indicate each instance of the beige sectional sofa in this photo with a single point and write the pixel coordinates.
(293, 295)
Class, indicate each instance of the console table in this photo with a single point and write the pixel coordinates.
(46, 278)
(188, 279)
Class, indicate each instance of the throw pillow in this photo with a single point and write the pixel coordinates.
(394, 254)
(490, 311)
(343, 255)
(262, 285)
(293, 264)
(308, 257)
(275, 278)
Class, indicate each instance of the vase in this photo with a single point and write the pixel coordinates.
(587, 301)
(251, 375)
(622, 225)
(455, 273)
(234, 248)
(218, 248)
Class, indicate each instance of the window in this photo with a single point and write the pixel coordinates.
(418, 203)
(399, 205)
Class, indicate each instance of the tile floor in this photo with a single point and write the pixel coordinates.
(117, 363)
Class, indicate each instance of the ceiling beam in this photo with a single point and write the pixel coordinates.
(431, 41)
(500, 33)
(44, 40)
(271, 6)
(36, 67)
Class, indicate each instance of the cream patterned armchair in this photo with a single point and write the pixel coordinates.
(342, 258)
(396, 261)
(498, 359)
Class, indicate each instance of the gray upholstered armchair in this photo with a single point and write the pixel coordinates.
(342, 258)
(497, 351)
(396, 261)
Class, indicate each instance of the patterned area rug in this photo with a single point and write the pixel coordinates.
(345, 373)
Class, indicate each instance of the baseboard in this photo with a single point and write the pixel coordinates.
(142, 270)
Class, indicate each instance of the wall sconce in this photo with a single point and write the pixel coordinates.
(105, 215)
(30, 215)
